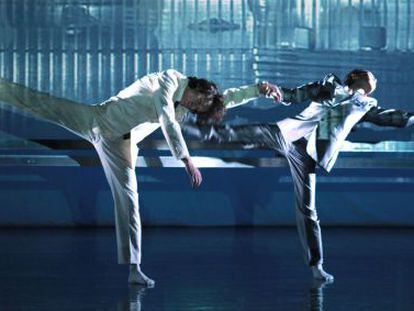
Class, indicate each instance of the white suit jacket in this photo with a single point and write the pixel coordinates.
(148, 104)
(348, 108)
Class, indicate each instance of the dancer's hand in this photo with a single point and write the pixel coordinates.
(271, 90)
(193, 172)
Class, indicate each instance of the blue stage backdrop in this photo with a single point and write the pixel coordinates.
(88, 50)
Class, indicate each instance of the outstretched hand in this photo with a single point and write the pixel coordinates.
(193, 172)
(271, 90)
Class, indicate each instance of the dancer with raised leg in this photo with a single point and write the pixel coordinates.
(296, 139)
(115, 126)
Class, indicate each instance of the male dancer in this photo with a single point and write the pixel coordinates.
(115, 127)
(296, 139)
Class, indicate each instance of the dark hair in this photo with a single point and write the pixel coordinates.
(358, 78)
(216, 109)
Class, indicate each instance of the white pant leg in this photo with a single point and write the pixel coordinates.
(76, 117)
(302, 168)
(118, 157)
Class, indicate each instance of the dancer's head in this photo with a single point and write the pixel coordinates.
(203, 98)
(361, 79)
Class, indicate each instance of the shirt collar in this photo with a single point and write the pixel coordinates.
(360, 92)
(348, 90)
(180, 110)
(181, 88)
(351, 92)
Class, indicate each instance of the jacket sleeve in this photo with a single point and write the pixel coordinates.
(388, 117)
(315, 91)
(238, 96)
(166, 114)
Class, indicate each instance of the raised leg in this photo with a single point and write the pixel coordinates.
(76, 117)
(249, 135)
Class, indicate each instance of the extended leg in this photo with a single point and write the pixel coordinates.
(304, 180)
(76, 117)
(118, 159)
(249, 135)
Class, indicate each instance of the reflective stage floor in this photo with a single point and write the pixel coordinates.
(206, 269)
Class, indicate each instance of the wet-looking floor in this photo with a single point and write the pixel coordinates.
(206, 269)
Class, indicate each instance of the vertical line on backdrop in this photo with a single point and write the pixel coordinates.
(397, 26)
(408, 36)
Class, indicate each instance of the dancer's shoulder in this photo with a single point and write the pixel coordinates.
(173, 73)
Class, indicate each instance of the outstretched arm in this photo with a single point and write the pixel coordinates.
(388, 117)
(237, 96)
(316, 91)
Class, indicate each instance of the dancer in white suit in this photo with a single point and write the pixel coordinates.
(115, 127)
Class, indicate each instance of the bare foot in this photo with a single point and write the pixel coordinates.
(136, 276)
(320, 274)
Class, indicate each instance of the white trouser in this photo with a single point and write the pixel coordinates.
(118, 157)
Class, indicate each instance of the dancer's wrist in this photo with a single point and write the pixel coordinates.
(185, 159)
(263, 88)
